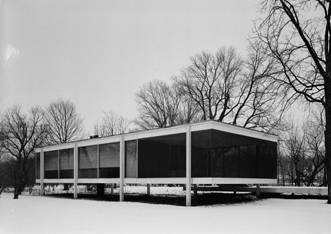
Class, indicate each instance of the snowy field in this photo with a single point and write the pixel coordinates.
(35, 214)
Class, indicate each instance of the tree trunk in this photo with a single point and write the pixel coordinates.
(328, 136)
(324, 179)
(16, 193)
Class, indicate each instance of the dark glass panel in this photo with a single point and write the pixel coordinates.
(87, 173)
(220, 154)
(66, 174)
(51, 162)
(109, 172)
(231, 161)
(37, 165)
(267, 159)
(162, 156)
(200, 162)
(51, 174)
(248, 161)
(217, 162)
(66, 163)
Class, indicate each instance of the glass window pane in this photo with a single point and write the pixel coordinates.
(217, 164)
(51, 164)
(162, 156)
(231, 161)
(248, 161)
(51, 160)
(109, 155)
(66, 159)
(87, 157)
(267, 160)
(131, 159)
(87, 161)
(199, 162)
(66, 163)
(109, 160)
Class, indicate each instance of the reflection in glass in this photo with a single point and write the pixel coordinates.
(131, 159)
(109, 160)
(87, 162)
(66, 163)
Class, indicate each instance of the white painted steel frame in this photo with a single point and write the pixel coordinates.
(206, 125)
(75, 170)
(188, 180)
(122, 168)
(42, 191)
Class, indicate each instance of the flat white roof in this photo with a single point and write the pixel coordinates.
(205, 125)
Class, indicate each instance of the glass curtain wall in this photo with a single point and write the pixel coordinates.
(60, 163)
(217, 154)
(162, 156)
(214, 154)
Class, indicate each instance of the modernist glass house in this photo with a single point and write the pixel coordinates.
(200, 153)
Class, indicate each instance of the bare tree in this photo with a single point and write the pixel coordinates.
(187, 110)
(296, 152)
(297, 34)
(302, 154)
(63, 121)
(162, 105)
(157, 105)
(257, 100)
(210, 81)
(230, 89)
(111, 124)
(22, 134)
(315, 149)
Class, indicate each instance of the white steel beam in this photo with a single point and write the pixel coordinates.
(98, 161)
(167, 131)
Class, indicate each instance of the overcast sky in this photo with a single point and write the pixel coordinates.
(98, 53)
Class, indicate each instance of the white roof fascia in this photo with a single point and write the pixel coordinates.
(166, 131)
(244, 131)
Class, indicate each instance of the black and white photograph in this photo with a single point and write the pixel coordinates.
(165, 116)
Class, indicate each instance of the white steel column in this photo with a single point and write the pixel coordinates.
(75, 170)
(148, 189)
(122, 167)
(58, 164)
(188, 166)
(98, 161)
(42, 165)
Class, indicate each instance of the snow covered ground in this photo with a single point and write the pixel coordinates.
(35, 214)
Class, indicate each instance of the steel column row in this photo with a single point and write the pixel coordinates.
(188, 181)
